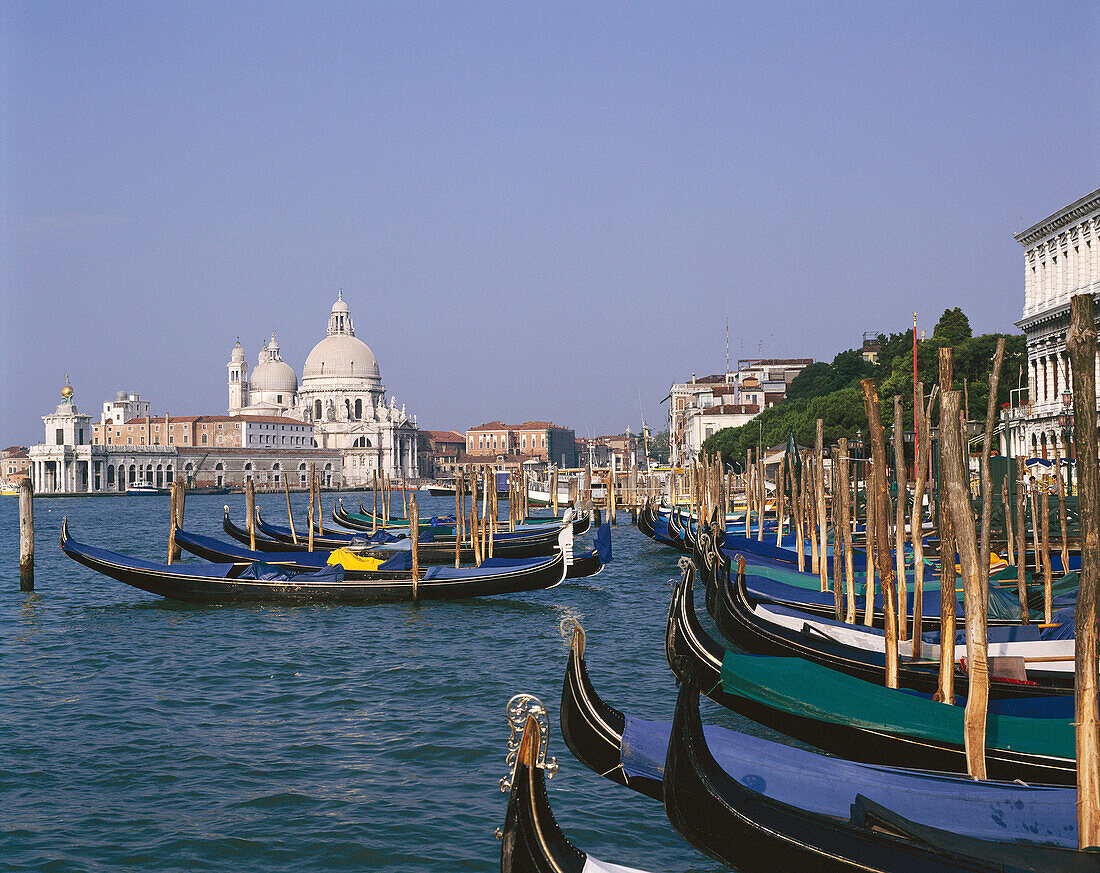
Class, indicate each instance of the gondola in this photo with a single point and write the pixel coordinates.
(531, 840)
(862, 721)
(236, 582)
(592, 730)
(788, 632)
(645, 519)
(367, 521)
(271, 538)
(361, 521)
(585, 563)
(545, 535)
(735, 823)
(632, 752)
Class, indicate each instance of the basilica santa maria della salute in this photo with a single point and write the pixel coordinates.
(340, 393)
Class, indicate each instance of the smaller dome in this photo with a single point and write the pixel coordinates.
(238, 354)
(276, 376)
(273, 374)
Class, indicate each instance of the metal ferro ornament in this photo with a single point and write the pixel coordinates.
(519, 707)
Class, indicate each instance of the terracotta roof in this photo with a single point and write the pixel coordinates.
(528, 425)
(444, 436)
(16, 452)
(492, 425)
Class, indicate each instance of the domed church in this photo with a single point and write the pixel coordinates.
(340, 393)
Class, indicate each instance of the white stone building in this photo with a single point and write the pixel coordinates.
(1060, 261)
(340, 393)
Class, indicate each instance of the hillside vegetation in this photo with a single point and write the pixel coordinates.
(832, 392)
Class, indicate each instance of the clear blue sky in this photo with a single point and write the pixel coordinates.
(534, 210)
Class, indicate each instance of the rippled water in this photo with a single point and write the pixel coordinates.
(137, 733)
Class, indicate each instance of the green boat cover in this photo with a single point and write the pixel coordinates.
(810, 690)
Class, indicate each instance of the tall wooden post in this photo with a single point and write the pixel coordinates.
(948, 597)
(1062, 525)
(250, 508)
(780, 499)
(1081, 346)
(870, 498)
(1010, 538)
(750, 490)
(554, 491)
(819, 499)
(310, 515)
(838, 578)
(611, 491)
(923, 423)
(796, 511)
(414, 534)
(986, 475)
(1044, 509)
(763, 494)
(26, 535)
(841, 493)
(808, 475)
(374, 511)
(956, 478)
(459, 518)
(901, 480)
(1021, 540)
(881, 523)
(174, 496)
(289, 513)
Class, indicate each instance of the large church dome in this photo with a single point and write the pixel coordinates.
(340, 355)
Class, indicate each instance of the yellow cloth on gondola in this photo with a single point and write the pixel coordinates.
(351, 561)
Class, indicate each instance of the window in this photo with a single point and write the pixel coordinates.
(60, 437)
(204, 437)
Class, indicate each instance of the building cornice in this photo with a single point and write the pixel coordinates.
(1054, 223)
(1047, 315)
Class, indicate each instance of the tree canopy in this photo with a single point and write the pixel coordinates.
(832, 392)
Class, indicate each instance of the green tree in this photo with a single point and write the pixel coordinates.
(952, 328)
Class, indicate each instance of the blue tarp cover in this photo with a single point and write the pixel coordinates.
(603, 543)
(817, 783)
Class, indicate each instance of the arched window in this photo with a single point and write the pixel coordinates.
(316, 410)
(358, 409)
(204, 439)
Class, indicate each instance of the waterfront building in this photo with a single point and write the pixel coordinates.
(207, 451)
(440, 454)
(702, 407)
(542, 442)
(1060, 260)
(15, 466)
(123, 408)
(340, 395)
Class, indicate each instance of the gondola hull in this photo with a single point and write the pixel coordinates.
(221, 583)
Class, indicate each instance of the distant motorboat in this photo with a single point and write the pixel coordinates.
(142, 487)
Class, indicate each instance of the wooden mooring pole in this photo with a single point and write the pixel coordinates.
(289, 513)
(1081, 347)
(250, 510)
(26, 535)
(414, 535)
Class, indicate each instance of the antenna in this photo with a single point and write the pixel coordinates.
(727, 342)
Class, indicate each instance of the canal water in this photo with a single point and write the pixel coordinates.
(137, 733)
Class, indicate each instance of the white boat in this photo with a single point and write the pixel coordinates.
(142, 487)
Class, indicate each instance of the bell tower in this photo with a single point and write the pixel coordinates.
(238, 380)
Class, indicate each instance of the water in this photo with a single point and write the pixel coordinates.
(137, 733)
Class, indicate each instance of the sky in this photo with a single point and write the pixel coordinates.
(534, 211)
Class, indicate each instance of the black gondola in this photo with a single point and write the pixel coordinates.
(237, 582)
(632, 752)
(531, 840)
(738, 622)
(593, 730)
(433, 552)
(693, 654)
(585, 563)
(755, 833)
(646, 518)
